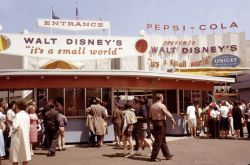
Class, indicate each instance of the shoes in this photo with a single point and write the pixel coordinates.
(169, 157)
(117, 145)
(155, 160)
(64, 149)
(138, 153)
(51, 153)
(129, 155)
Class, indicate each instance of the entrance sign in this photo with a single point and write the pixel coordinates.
(73, 25)
(72, 48)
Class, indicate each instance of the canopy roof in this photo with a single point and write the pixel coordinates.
(115, 73)
(211, 71)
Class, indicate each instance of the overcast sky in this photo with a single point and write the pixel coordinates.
(128, 17)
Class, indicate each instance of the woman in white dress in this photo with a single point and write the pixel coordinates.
(20, 145)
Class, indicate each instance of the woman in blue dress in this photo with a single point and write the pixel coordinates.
(2, 128)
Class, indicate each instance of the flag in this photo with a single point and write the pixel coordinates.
(77, 17)
(53, 16)
(213, 99)
(101, 20)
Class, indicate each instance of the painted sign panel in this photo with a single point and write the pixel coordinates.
(226, 60)
(170, 52)
(73, 25)
(72, 48)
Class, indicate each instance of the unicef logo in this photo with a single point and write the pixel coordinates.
(226, 60)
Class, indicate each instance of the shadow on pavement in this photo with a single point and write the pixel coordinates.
(40, 153)
(139, 158)
(84, 146)
(118, 148)
(115, 155)
(227, 138)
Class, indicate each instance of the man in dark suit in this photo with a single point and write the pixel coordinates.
(158, 114)
(52, 127)
(41, 114)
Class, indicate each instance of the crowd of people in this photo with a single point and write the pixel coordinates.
(218, 119)
(23, 126)
(143, 123)
(222, 120)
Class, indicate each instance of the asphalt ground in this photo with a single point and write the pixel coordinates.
(187, 151)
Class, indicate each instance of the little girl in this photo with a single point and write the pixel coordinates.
(129, 120)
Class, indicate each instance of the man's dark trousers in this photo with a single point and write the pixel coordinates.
(159, 128)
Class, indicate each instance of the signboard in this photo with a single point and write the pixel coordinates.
(168, 52)
(182, 28)
(72, 48)
(226, 60)
(73, 25)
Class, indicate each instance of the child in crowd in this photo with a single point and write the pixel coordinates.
(62, 123)
(129, 120)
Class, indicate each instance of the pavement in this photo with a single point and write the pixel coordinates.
(186, 150)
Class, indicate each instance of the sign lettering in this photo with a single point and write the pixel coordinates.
(73, 25)
(183, 28)
(73, 48)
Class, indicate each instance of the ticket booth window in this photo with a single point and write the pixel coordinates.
(184, 100)
(171, 98)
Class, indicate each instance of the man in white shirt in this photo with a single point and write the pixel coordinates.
(10, 115)
(215, 114)
(224, 125)
(243, 109)
(192, 123)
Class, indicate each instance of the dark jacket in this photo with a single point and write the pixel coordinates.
(51, 118)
